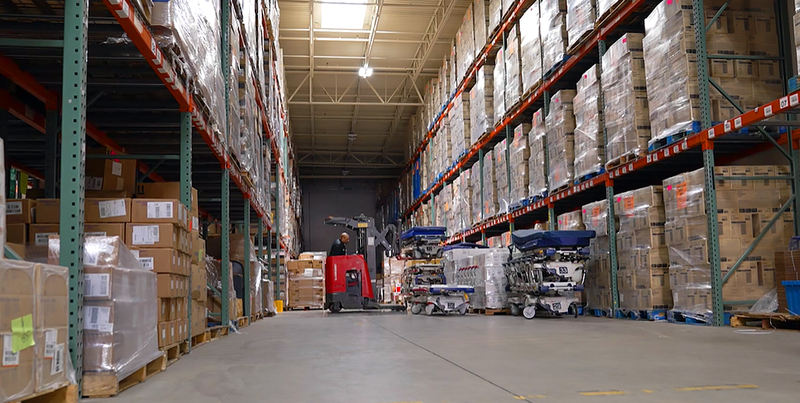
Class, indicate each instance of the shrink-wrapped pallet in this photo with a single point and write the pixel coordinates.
(589, 142)
(459, 125)
(530, 48)
(537, 168)
(481, 103)
(513, 77)
(553, 31)
(465, 47)
(501, 176)
(560, 123)
(499, 79)
(581, 16)
(519, 153)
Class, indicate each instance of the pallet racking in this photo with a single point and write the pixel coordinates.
(709, 144)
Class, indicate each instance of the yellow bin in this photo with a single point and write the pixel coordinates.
(279, 305)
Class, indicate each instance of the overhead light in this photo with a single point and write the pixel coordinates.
(345, 172)
(365, 71)
(343, 16)
(351, 137)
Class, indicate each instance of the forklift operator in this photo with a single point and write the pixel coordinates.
(339, 247)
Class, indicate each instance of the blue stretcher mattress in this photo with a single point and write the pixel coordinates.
(529, 239)
(465, 245)
(438, 289)
(424, 231)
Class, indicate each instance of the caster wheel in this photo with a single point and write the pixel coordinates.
(515, 310)
(429, 309)
(529, 312)
(463, 310)
(336, 307)
(416, 309)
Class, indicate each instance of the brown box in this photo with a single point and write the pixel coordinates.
(141, 235)
(198, 248)
(198, 318)
(118, 230)
(741, 171)
(164, 310)
(198, 280)
(110, 175)
(163, 334)
(654, 298)
(20, 211)
(173, 336)
(166, 287)
(108, 210)
(39, 234)
(159, 211)
(161, 260)
(767, 273)
(167, 190)
(18, 290)
(52, 325)
(48, 211)
(17, 233)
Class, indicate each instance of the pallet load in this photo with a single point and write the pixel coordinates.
(213, 268)
(606, 7)
(530, 49)
(554, 32)
(237, 255)
(598, 268)
(483, 270)
(306, 283)
(440, 144)
(537, 169)
(499, 82)
(481, 24)
(495, 14)
(460, 123)
(481, 103)
(560, 124)
(34, 316)
(642, 256)
(501, 176)
(581, 16)
(519, 154)
(445, 87)
(625, 110)
(572, 221)
(743, 29)
(475, 175)
(489, 185)
(513, 84)
(461, 209)
(465, 43)
(589, 142)
(744, 209)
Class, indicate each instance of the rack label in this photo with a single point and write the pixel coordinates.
(93, 183)
(116, 168)
(96, 285)
(112, 208)
(159, 209)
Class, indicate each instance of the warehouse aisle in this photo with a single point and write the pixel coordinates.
(383, 358)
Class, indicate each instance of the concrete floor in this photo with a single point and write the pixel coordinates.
(373, 357)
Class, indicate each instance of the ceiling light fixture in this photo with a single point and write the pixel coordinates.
(343, 14)
(365, 71)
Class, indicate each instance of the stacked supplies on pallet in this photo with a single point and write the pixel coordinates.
(643, 260)
(512, 55)
(744, 209)
(537, 169)
(455, 78)
(483, 270)
(460, 123)
(442, 150)
(519, 154)
(605, 7)
(625, 110)
(213, 268)
(581, 16)
(589, 143)
(445, 85)
(744, 28)
(499, 80)
(530, 48)
(443, 202)
(462, 200)
(489, 185)
(560, 124)
(234, 107)
(237, 242)
(475, 178)
(501, 176)
(553, 31)
(481, 103)
(571, 221)
(481, 24)
(495, 14)
(306, 283)
(597, 285)
(465, 43)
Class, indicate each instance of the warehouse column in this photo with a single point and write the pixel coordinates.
(186, 198)
(73, 166)
(225, 18)
(52, 144)
(611, 223)
(246, 263)
(784, 26)
(260, 254)
(278, 227)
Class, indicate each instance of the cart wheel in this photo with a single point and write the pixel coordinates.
(529, 312)
(336, 307)
(429, 309)
(416, 309)
(515, 310)
(463, 310)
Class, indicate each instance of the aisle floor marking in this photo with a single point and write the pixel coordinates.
(718, 387)
(604, 393)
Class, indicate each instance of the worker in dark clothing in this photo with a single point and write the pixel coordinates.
(339, 247)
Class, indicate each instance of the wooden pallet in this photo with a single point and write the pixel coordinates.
(218, 332)
(242, 321)
(770, 321)
(106, 384)
(201, 339)
(529, 91)
(610, 13)
(175, 351)
(63, 393)
(624, 159)
(572, 50)
(491, 312)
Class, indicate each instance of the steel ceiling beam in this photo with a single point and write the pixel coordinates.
(350, 70)
(343, 39)
(357, 103)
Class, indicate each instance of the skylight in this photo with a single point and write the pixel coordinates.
(343, 16)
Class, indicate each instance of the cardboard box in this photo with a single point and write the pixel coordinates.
(109, 174)
(142, 235)
(161, 260)
(39, 234)
(198, 281)
(165, 286)
(159, 211)
(167, 190)
(108, 210)
(198, 321)
(163, 334)
(118, 230)
(20, 211)
(17, 233)
(198, 248)
(48, 211)
(52, 325)
(164, 310)
(18, 290)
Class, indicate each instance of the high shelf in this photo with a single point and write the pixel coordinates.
(64, 64)
(710, 142)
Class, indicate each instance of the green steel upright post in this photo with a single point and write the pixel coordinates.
(611, 223)
(278, 198)
(787, 69)
(433, 194)
(73, 167)
(225, 183)
(509, 144)
(708, 163)
(51, 154)
(480, 165)
(551, 213)
(186, 198)
(246, 263)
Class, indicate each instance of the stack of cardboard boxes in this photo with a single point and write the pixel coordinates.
(495, 14)
(481, 103)
(554, 32)
(463, 197)
(465, 43)
(572, 221)
(744, 209)
(35, 298)
(459, 125)
(306, 283)
(530, 48)
(590, 156)
(499, 82)
(481, 24)
(489, 185)
(560, 123)
(642, 256)
(625, 110)
(537, 142)
(597, 284)
(513, 84)
(581, 15)
(519, 154)
(501, 176)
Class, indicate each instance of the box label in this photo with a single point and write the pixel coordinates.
(145, 234)
(112, 208)
(93, 183)
(147, 262)
(97, 318)
(50, 340)
(116, 168)
(57, 364)
(14, 208)
(96, 285)
(10, 359)
(98, 233)
(159, 209)
(43, 237)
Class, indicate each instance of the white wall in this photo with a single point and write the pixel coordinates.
(339, 198)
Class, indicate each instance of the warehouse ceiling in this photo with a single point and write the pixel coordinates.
(346, 125)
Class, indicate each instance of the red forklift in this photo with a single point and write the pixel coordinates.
(349, 279)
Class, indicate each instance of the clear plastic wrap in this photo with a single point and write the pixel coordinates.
(501, 176)
(513, 83)
(475, 176)
(625, 109)
(589, 142)
(483, 270)
(604, 6)
(499, 79)
(572, 221)
(530, 48)
(553, 32)
(560, 123)
(597, 285)
(495, 15)
(214, 277)
(465, 43)
(581, 16)
(537, 142)
(594, 217)
(481, 103)
(518, 161)
(489, 185)
(481, 24)
(459, 125)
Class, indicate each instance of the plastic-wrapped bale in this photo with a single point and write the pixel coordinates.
(489, 185)
(499, 79)
(518, 161)
(560, 123)
(625, 108)
(530, 48)
(744, 209)
(501, 176)
(465, 47)
(481, 24)
(493, 278)
(581, 16)
(604, 7)
(589, 142)
(513, 84)
(475, 176)
(495, 15)
(595, 217)
(554, 32)
(481, 103)
(462, 201)
(537, 142)
(455, 78)
(642, 256)
(460, 125)
(571, 221)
